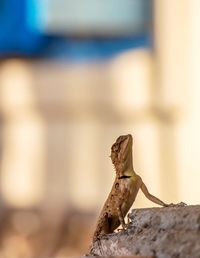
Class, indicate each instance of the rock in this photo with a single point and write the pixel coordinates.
(169, 232)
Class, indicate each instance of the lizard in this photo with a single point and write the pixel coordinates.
(124, 190)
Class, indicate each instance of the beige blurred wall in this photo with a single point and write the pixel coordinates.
(177, 38)
(69, 116)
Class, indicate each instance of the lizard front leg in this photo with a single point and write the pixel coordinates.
(156, 200)
(121, 219)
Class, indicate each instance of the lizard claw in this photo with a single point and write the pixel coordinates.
(124, 227)
(180, 204)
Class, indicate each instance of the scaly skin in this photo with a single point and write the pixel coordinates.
(124, 190)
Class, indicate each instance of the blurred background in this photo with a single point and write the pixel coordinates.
(74, 75)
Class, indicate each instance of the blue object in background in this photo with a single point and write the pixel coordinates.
(18, 37)
(93, 49)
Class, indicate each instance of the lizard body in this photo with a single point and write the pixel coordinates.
(124, 190)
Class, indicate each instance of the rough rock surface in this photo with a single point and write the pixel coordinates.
(172, 232)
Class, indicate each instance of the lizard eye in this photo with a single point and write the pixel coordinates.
(115, 147)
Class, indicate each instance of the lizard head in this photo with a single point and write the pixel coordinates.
(121, 154)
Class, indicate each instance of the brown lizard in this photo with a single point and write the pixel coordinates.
(124, 190)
